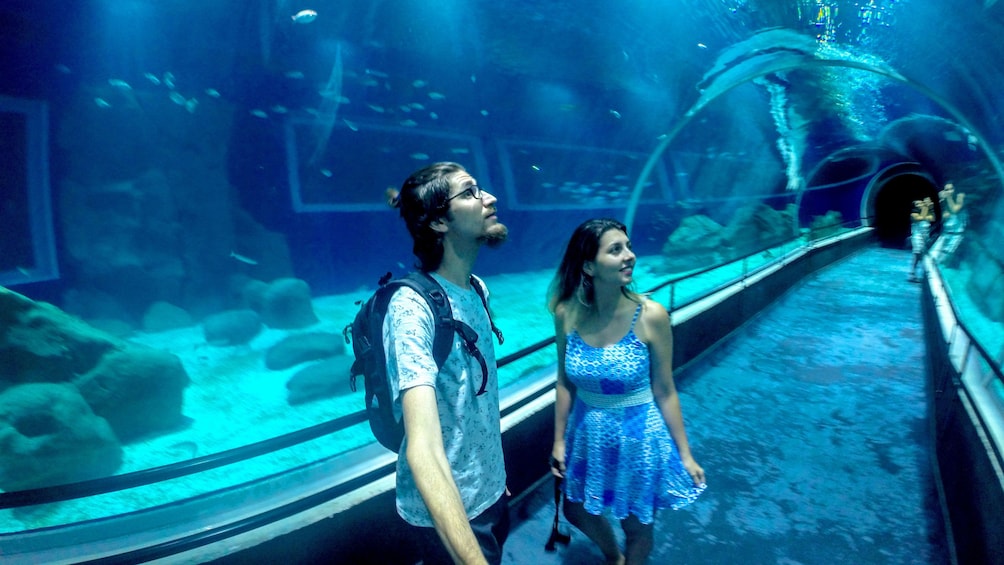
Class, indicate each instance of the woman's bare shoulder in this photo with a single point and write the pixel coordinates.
(654, 319)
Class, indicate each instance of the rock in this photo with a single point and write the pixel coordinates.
(163, 316)
(301, 348)
(252, 294)
(826, 225)
(323, 379)
(50, 436)
(697, 241)
(232, 327)
(755, 227)
(112, 326)
(139, 390)
(41, 343)
(286, 305)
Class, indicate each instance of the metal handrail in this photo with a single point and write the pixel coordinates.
(114, 483)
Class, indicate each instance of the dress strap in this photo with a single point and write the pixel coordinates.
(637, 311)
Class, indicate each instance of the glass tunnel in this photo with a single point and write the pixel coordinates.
(194, 204)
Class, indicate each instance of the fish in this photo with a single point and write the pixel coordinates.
(326, 172)
(484, 113)
(102, 103)
(417, 106)
(191, 104)
(437, 95)
(535, 167)
(376, 73)
(419, 83)
(474, 78)
(63, 69)
(168, 79)
(177, 98)
(391, 196)
(460, 150)
(152, 78)
(420, 156)
(702, 46)
(304, 17)
(212, 93)
(243, 259)
(279, 109)
(433, 115)
(409, 123)
(615, 114)
(259, 113)
(294, 74)
(351, 125)
(377, 109)
(119, 84)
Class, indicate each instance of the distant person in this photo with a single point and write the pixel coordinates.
(954, 219)
(922, 216)
(619, 438)
(451, 480)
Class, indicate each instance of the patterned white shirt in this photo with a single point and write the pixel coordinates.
(472, 435)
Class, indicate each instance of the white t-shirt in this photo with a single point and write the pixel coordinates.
(472, 437)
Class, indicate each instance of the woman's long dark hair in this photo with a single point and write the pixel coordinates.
(422, 201)
(583, 246)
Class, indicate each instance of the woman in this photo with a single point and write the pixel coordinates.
(922, 217)
(619, 439)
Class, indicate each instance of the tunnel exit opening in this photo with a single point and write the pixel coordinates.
(893, 202)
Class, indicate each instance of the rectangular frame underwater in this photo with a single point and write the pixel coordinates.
(384, 155)
(26, 213)
(600, 182)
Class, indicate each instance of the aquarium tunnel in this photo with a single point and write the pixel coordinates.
(193, 203)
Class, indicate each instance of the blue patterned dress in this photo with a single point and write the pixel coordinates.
(619, 456)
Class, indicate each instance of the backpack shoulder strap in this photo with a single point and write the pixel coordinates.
(442, 314)
(484, 300)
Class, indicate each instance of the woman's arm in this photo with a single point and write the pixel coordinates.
(658, 334)
(563, 399)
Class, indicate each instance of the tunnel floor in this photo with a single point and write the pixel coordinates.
(811, 425)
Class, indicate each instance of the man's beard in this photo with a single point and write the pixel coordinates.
(495, 236)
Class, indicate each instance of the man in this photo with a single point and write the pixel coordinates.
(451, 479)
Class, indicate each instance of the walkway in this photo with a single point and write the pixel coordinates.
(811, 425)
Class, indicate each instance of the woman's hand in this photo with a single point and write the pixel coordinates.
(558, 459)
(695, 471)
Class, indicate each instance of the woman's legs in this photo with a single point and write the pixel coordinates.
(638, 538)
(596, 528)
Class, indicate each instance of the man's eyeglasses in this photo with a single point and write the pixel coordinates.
(474, 190)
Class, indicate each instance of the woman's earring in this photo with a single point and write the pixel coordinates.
(585, 287)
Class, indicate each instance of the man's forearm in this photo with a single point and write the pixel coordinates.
(439, 491)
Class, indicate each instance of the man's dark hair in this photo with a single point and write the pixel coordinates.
(423, 200)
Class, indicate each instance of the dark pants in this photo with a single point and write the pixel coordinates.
(491, 529)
